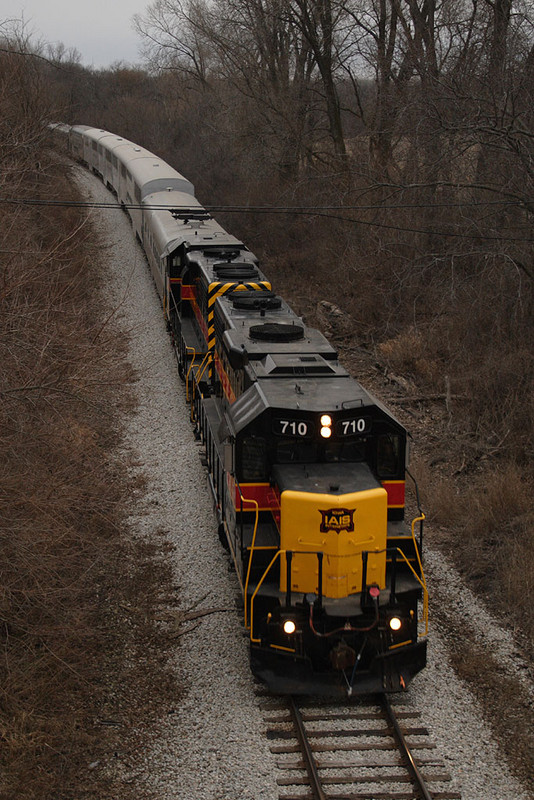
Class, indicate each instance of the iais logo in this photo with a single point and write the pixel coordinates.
(337, 519)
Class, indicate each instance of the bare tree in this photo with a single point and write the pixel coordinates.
(173, 35)
(319, 22)
(254, 47)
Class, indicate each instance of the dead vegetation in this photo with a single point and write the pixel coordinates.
(69, 643)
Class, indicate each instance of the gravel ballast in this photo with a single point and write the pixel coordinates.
(210, 743)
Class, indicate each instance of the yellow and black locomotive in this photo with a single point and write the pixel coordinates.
(307, 468)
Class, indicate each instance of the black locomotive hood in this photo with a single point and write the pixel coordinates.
(296, 395)
(336, 479)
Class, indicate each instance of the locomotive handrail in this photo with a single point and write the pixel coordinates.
(174, 303)
(422, 517)
(278, 554)
(194, 352)
(169, 301)
(173, 307)
(252, 545)
(201, 368)
(422, 582)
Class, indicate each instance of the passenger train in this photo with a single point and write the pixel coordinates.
(306, 467)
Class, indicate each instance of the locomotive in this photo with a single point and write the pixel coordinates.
(306, 467)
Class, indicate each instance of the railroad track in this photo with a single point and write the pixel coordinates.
(361, 750)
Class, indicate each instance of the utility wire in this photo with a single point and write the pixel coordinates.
(317, 211)
(255, 209)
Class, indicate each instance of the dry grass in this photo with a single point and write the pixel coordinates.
(494, 541)
(505, 700)
(77, 597)
(487, 519)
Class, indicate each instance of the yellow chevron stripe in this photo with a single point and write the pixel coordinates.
(219, 289)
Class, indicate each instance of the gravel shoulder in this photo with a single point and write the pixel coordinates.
(208, 743)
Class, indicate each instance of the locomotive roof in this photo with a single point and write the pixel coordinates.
(296, 395)
(297, 365)
(240, 337)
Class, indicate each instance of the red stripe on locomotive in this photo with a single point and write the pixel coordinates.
(395, 490)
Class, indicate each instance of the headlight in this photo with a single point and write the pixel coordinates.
(395, 623)
(326, 426)
(289, 626)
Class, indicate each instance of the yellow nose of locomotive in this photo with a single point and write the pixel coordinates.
(342, 527)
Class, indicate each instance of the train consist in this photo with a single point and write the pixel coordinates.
(307, 468)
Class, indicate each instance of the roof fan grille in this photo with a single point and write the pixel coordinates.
(235, 270)
(276, 332)
(256, 301)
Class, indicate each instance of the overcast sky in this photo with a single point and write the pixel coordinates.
(101, 30)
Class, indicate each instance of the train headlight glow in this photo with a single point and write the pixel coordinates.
(326, 426)
(395, 623)
(289, 626)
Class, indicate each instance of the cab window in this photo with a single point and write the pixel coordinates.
(388, 455)
(254, 459)
(346, 451)
(298, 451)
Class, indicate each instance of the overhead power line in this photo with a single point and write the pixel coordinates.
(256, 209)
(317, 211)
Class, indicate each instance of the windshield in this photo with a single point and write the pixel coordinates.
(302, 451)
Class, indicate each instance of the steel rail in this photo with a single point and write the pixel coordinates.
(309, 760)
(419, 782)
